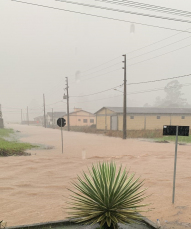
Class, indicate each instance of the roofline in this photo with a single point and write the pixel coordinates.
(103, 108)
(78, 111)
(121, 112)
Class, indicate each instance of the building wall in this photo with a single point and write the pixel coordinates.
(141, 121)
(153, 123)
(77, 119)
(104, 119)
(132, 124)
(177, 120)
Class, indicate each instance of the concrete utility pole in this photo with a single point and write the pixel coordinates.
(44, 111)
(52, 119)
(124, 101)
(28, 116)
(68, 116)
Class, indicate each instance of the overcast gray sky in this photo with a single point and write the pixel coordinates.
(39, 47)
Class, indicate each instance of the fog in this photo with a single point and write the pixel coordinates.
(39, 47)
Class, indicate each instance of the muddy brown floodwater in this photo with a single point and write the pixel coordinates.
(33, 188)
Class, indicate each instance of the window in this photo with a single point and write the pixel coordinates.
(85, 120)
(91, 120)
(183, 117)
(158, 117)
(79, 120)
(131, 117)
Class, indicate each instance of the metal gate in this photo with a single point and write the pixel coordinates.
(113, 122)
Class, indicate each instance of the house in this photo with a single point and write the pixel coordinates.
(80, 117)
(138, 118)
(53, 116)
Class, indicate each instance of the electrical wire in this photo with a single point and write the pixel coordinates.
(98, 16)
(140, 61)
(159, 55)
(133, 93)
(135, 83)
(153, 81)
(124, 11)
(148, 7)
(98, 92)
(160, 48)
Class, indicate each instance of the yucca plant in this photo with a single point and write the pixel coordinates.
(107, 197)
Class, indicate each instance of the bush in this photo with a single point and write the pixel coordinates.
(107, 197)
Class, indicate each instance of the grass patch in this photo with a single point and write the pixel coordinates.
(5, 132)
(12, 148)
(173, 138)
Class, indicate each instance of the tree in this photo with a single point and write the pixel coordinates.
(173, 96)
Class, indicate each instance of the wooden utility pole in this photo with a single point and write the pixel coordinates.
(52, 119)
(44, 111)
(28, 116)
(21, 116)
(68, 116)
(124, 101)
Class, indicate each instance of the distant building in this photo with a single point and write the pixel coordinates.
(56, 116)
(139, 118)
(38, 120)
(80, 117)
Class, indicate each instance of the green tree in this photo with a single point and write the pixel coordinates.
(173, 96)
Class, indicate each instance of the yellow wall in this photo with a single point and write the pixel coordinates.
(176, 120)
(138, 123)
(153, 123)
(101, 120)
(132, 124)
(76, 119)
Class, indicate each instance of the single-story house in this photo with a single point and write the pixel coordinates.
(138, 118)
(80, 117)
(53, 116)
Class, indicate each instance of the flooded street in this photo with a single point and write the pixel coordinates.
(34, 188)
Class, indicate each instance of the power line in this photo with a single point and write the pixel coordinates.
(97, 92)
(148, 7)
(95, 15)
(98, 75)
(155, 89)
(137, 92)
(140, 61)
(153, 81)
(97, 99)
(160, 55)
(124, 11)
(135, 83)
(160, 48)
(60, 101)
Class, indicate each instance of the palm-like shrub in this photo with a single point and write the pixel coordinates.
(107, 197)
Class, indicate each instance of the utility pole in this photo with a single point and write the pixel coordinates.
(28, 116)
(68, 116)
(21, 116)
(52, 120)
(44, 111)
(124, 101)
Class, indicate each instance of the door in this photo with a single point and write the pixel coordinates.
(113, 122)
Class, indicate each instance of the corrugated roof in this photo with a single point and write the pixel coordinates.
(150, 110)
